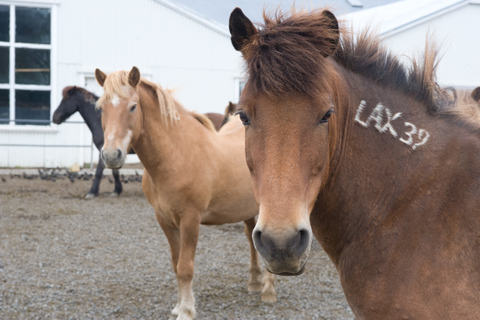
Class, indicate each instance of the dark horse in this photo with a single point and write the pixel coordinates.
(81, 100)
(78, 99)
(346, 144)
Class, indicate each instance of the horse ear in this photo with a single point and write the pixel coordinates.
(476, 94)
(241, 29)
(134, 77)
(332, 25)
(231, 108)
(100, 76)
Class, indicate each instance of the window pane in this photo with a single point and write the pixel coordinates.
(32, 25)
(32, 105)
(4, 23)
(4, 106)
(4, 63)
(32, 66)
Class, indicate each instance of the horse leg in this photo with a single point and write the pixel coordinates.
(173, 237)
(255, 281)
(96, 181)
(268, 291)
(118, 183)
(184, 263)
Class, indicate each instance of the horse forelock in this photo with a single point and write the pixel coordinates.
(287, 55)
(116, 85)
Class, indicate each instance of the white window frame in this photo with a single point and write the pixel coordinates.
(12, 86)
(237, 91)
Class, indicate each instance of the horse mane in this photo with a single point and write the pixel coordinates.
(116, 83)
(204, 120)
(287, 55)
(87, 95)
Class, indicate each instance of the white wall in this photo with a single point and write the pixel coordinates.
(458, 33)
(171, 48)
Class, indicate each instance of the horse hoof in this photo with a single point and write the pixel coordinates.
(90, 196)
(269, 298)
(255, 287)
(114, 194)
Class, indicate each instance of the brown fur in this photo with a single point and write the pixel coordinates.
(193, 175)
(342, 155)
(283, 57)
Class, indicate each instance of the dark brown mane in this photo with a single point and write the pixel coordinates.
(89, 96)
(288, 55)
(285, 54)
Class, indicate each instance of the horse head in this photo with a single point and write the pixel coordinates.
(286, 120)
(121, 118)
(68, 106)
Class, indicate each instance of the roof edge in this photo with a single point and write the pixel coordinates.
(429, 16)
(199, 19)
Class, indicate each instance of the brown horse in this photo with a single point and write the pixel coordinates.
(192, 174)
(345, 143)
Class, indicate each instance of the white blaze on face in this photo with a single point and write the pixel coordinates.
(126, 141)
(115, 101)
(111, 136)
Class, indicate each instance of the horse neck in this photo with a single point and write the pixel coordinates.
(367, 159)
(92, 118)
(163, 146)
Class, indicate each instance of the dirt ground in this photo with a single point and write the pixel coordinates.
(63, 257)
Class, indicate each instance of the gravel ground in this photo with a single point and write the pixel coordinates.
(63, 257)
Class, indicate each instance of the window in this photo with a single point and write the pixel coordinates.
(239, 85)
(25, 65)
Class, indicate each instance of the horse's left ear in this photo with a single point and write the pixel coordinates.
(100, 76)
(134, 77)
(241, 29)
(476, 94)
(332, 25)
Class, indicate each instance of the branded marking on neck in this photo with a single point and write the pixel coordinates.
(383, 118)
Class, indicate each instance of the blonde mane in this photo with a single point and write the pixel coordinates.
(116, 84)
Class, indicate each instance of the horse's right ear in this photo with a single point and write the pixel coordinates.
(241, 29)
(476, 94)
(100, 76)
(134, 77)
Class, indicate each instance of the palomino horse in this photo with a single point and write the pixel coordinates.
(81, 100)
(346, 144)
(468, 105)
(193, 175)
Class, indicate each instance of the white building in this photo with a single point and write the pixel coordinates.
(453, 24)
(46, 45)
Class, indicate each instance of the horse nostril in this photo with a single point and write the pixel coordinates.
(257, 241)
(119, 154)
(304, 240)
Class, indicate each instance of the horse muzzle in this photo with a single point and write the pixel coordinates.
(113, 159)
(284, 253)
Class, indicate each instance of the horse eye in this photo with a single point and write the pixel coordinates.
(133, 108)
(327, 116)
(243, 118)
